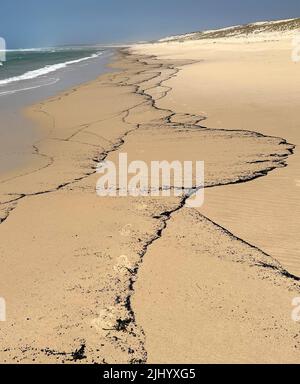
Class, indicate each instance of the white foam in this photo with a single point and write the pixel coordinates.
(45, 70)
(51, 82)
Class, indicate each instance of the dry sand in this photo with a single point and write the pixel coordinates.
(90, 279)
(255, 87)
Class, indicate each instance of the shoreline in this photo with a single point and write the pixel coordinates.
(117, 313)
(19, 134)
(252, 87)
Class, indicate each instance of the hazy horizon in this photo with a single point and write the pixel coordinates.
(78, 22)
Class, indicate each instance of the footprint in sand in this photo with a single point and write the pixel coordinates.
(105, 321)
(122, 265)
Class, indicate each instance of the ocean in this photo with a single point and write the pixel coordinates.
(28, 69)
(32, 75)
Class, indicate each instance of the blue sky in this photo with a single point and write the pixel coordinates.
(35, 23)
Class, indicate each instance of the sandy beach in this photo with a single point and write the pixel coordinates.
(91, 279)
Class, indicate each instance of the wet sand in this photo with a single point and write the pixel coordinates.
(116, 280)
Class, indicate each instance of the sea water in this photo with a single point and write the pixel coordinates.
(31, 75)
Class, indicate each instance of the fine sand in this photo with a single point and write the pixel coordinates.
(254, 87)
(117, 280)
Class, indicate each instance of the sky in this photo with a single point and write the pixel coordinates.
(41, 23)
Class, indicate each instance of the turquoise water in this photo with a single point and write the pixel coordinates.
(20, 62)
